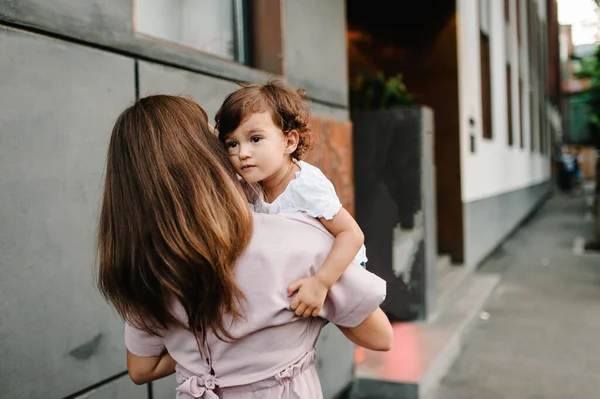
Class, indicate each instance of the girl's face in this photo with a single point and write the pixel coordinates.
(258, 149)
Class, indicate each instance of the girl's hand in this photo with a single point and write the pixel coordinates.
(310, 297)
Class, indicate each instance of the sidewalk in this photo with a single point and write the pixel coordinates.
(539, 337)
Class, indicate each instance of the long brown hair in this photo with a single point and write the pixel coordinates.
(173, 222)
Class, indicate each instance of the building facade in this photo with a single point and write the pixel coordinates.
(509, 114)
(489, 70)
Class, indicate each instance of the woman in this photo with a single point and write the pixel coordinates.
(200, 280)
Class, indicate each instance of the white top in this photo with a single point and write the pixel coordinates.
(310, 193)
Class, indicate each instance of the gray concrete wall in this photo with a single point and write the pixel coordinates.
(315, 51)
(205, 90)
(58, 104)
(315, 48)
(109, 24)
(95, 21)
(489, 221)
(121, 388)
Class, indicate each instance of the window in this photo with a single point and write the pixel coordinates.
(518, 70)
(533, 76)
(217, 27)
(543, 86)
(521, 124)
(486, 86)
(509, 104)
(531, 121)
(518, 22)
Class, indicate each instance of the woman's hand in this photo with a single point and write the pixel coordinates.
(147, 369)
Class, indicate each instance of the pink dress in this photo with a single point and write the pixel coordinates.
(275, 359)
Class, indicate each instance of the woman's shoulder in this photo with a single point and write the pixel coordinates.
(274, 225)
(280, 235)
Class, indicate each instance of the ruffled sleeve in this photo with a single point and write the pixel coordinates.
(356, 295)
(142, 343)
(312, 193)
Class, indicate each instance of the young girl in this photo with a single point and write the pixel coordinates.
(266, 131)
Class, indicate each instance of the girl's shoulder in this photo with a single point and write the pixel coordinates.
(313, 193)
(310, 174)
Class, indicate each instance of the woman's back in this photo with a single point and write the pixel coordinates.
(182, 258)
(274, 338)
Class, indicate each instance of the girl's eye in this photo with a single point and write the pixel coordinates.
(231, 144)
(255, 139)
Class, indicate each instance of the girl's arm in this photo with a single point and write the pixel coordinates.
(348, 240)
(146, 369)
(312, 291)
(374, 333)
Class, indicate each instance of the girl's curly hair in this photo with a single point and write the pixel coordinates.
(287, 106)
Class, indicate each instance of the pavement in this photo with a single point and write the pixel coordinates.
(539, 334)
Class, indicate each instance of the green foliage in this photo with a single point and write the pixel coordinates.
(590, 68)
(375, 91)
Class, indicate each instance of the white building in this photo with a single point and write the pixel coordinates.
(505, 170)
